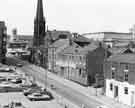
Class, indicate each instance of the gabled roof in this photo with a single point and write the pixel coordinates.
(122, 58)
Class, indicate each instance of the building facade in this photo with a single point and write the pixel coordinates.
(71, 64)
(81, 64)
(119, 72)
(3, 41)
(53, 51)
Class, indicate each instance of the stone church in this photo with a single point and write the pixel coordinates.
(40, 41)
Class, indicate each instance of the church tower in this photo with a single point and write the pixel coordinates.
(39, 26)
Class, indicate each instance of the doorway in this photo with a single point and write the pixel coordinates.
(132, 98)
(116, 91)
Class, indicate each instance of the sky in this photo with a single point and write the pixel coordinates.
(82, 16)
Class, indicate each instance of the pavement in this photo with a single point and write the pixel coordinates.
(111, 103)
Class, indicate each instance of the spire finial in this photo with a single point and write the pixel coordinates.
(40, 14)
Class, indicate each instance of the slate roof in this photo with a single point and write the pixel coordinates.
(29, 37)
(115, 50)
(81, 39)
(121, 44)
(77, 50)
(55, 34)
(71, 50)
(60, 43)
(90, 47)
(122, 58)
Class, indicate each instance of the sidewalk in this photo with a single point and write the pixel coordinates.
(84, 90)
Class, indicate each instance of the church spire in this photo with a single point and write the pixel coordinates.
(40, 14)
(39, 25)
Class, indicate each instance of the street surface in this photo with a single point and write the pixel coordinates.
(66, 92)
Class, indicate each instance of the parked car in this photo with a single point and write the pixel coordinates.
(6, 69)
(52, 86)
(38, 97)
(2, 79)
(13, 105)
(16, 81)
(30, 91)
(102, 106)
(19, 65)
(28, 86)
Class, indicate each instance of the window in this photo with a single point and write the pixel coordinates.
(111, 86)
(125, 76)
(113, 74)
(126, 66)
(80, 58)
(79, 71)
(72, 57)
(113, 69)
(126, 90)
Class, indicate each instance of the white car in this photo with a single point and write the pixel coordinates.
(102, 106)
(38, 97)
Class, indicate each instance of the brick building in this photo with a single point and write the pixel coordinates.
(119, 72)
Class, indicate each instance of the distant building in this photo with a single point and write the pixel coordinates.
(15, 37)
(119, 72)
(3, 41)
(109, 38)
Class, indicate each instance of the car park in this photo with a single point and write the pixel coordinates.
(38, 97)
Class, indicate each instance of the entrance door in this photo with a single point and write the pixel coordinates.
(115, 91)
(132, 98)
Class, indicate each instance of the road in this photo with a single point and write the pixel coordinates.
(66, 92)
